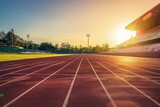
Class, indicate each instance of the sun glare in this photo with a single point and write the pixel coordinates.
(122, 35)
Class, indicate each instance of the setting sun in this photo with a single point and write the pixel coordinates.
(123, 35)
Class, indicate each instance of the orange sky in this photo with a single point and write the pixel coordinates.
(70, 20)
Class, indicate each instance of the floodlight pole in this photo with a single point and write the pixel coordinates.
(12, 34)
(28, 40)
(28, 37)
(12, 40)
(88, 35)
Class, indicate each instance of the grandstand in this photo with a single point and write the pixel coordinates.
(147, 40)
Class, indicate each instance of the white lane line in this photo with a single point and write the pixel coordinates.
(105, 90)
(33, 72)
(144, 62)
(71, 86)
(21, 95)
(26, 68)
(30, 74)
(143, 65)
(134, 73)
(142, 69)
(20, 66)
(46, 74)
(82, 75)
(10, 64)
(153, 66)
(6, 66)
(154, 101)
(149, 66)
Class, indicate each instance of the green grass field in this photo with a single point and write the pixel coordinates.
(10, 57)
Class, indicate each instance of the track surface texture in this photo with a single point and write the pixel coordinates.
(81, 81)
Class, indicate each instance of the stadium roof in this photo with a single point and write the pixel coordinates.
(148, 20)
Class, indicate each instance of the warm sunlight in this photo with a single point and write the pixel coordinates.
(122, 35)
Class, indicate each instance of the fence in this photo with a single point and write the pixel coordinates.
(19, 50)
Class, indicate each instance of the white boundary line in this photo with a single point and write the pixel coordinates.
(143, 69)
(21, 95)
(157, 103)
(105, 90)
(32, 73)
(23, 62)
(26, 68)
(140, 61)
(154, 66)
(20, 66)
(71, 86)
(132, 72)
(149, 66)
(11, 65)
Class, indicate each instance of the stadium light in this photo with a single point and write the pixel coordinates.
(12, 34)
(28, 37)
(88, 35)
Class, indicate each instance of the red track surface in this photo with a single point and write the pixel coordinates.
(81, 81)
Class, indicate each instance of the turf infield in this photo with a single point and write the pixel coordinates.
(10, 57)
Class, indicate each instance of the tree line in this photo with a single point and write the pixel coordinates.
(10, 39)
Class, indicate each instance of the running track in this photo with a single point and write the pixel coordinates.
(81, 81)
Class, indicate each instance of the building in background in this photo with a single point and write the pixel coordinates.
(147, 40)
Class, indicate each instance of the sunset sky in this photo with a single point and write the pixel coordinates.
(60, 21)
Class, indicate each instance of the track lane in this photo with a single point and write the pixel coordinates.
(19, 66)
(31, 83)
(126, 89)
(144, 90)
(28, 63)
(87, 91)
(30, 68)
(138, 64)
(131, 59)
(129, 70)
(7, 72)
(105, 90)
(71, 86)
(33, 72)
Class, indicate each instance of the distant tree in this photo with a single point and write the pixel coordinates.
(82, 49)
(3, 41)
(2, 35)
(72, 49)
(11, 38)
(19, 41)
(65, 47)
(35, 46)
(47, 46)
(76, 49)
(105, 47)
(56, 46)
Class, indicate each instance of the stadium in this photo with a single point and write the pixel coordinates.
(147, 39)
(47, 75)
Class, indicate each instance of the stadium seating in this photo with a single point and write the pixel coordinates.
(143, 48)
(142, 38)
